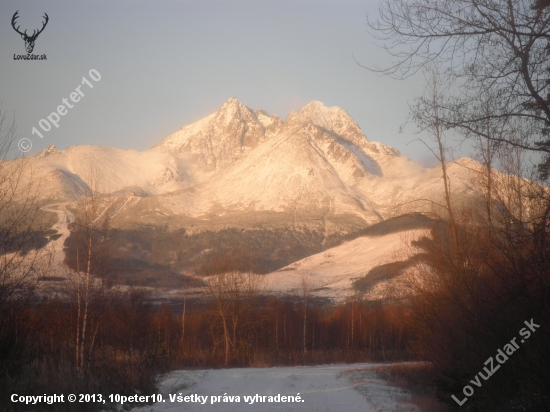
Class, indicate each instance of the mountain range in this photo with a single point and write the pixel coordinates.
(241, 188)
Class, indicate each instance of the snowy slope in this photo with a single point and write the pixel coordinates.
(66, 173)
(332, 272)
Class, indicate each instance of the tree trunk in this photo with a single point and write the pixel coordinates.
(86, 304)
(305, 326)
(183, 319)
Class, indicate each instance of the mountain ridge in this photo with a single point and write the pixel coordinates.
(243, 180)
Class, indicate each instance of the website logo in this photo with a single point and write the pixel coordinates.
(29, 40)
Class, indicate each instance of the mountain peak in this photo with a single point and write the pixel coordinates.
(312, 111)
(46, 152)
(232, 110)
(232, 100)
(220, 138)
(231, 103)
(333, 118)
(314, 106)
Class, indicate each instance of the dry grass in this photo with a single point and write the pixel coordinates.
(415, 378)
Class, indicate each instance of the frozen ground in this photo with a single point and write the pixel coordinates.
(327, 388)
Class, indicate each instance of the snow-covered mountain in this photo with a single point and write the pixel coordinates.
(316, 165)
(66, 173)
(241, 181)
(223, 137)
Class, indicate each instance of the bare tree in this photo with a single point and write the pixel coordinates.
(495, 48)
(23, 255)
(487, 150)
(305, 287)
(183, 315)
(427, 114)
(496, 56)
(232, 295)
(90, 231)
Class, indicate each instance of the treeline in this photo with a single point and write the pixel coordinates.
(132, 342)
(270, 331)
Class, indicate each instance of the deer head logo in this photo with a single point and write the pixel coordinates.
(29, 40)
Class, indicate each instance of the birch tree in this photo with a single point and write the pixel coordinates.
(90, 230)
(232, 294)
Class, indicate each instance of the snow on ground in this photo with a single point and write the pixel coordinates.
(329, 388)
(333, 271)
(64, 218)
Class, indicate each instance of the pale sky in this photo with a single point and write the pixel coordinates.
(165, 64)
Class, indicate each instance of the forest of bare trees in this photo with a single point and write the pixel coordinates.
(487, 269)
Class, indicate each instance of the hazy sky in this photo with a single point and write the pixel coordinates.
(165, 64)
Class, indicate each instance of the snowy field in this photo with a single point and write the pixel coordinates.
(339, 388)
